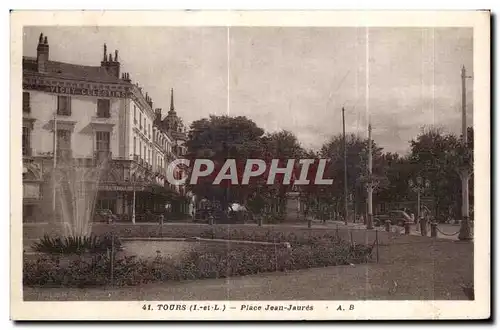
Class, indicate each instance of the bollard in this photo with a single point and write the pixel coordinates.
(387, 225)
(434, 227)
(407, 228)
(309, 223)
(259, 221)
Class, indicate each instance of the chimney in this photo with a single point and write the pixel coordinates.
(111, 65)
(42, 53)
(126, 77)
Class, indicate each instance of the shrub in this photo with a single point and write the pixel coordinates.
(204, 262)
(77, 244)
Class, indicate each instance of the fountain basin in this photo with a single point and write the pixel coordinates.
(150, 248)
(146, 248)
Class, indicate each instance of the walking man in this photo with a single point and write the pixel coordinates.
(161, 219)
(426, 214)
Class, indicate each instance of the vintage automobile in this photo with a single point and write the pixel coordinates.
(104, 215)
(397, 217)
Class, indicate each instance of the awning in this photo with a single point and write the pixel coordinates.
(117, 187)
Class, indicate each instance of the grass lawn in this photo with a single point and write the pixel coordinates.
(410, 268)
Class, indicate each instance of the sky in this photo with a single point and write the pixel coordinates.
(293, 78)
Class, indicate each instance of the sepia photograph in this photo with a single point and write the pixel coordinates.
(250, 171)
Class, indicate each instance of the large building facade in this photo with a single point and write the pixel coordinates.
(90, 114)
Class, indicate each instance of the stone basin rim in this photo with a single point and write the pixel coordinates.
(199, 239)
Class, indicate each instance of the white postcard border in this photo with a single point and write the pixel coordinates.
(323, 310)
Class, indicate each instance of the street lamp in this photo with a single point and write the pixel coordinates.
(418, 186)
(465, 171)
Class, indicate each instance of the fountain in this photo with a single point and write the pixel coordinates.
(76, 190)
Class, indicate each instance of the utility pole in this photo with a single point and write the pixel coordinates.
(345, 168)
(464, 171)
(54, 165)
(369, 222)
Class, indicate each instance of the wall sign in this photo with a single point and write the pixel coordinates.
(73, 88)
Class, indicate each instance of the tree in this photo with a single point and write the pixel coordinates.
(219, 138)
(283, 146)
(437, 156)
(397, 170)
(357, 158)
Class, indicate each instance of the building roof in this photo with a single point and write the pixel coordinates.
(71, 71)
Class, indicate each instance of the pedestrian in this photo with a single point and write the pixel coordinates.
(417, 221)
(424, 221)
(161, 219)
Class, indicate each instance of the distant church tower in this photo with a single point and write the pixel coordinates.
(172, 123)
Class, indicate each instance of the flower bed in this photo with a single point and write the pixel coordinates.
(210, 261)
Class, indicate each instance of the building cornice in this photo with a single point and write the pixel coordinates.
(140, 99)
(83, 87)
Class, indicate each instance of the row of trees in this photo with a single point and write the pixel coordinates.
(434, 156)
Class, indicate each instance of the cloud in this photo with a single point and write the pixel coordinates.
(289, 77)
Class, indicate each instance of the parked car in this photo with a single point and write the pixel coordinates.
(104, 215)
(397, 217)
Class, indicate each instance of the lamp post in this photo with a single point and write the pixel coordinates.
(370, 183)
(134, 179)
(464, 170)
(54, 165)
(419, 186)
(133, 202)
(345, 167)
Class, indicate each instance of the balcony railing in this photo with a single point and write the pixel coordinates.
(84, 162)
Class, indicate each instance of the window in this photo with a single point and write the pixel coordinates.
(26, 102)
(144, 152)
(64, 105)
(103, 106)
(149, 130)
(102, 141)
(140, 149)
(28, 210)
(145, 126)
(135, 114)
(26, 141)
(63, 143)
(140, 120)
(135, 145)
